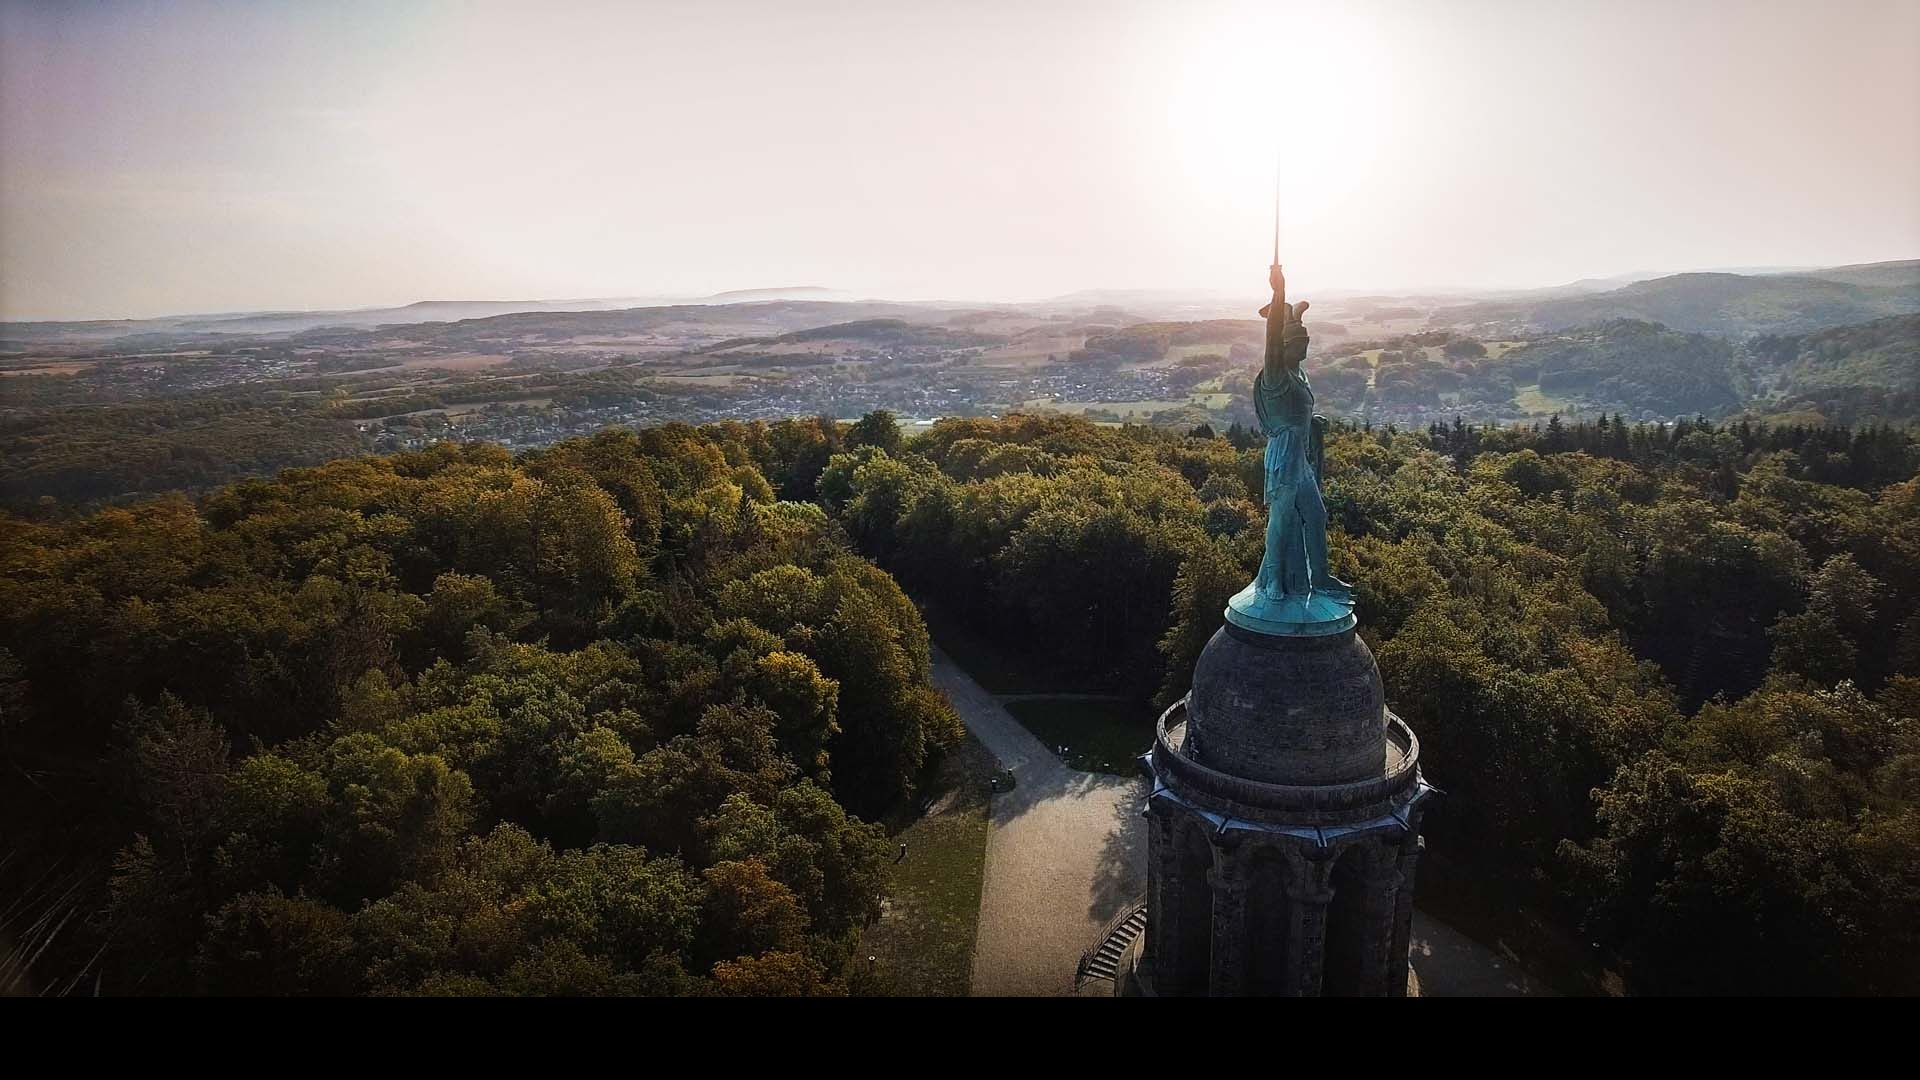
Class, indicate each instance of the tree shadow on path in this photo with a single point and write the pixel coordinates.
(1120, 876)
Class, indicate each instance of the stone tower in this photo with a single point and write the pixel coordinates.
(1284, 822)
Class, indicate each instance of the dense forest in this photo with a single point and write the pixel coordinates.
(1670, 675)
(596, 720)
(72, 454)
(610, 717)
(1869, 369)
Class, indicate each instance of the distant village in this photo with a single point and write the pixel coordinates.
(1103, 395)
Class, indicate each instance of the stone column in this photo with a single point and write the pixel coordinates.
(1397, 959)
(1162, 888)
(1379, 911)
(1159, 839)
(1229, 962)
(1309, 891)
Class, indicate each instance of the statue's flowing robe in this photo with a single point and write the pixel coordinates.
(1286, 417)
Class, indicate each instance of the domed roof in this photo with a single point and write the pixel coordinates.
(1288, 710)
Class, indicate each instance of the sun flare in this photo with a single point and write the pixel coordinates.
(1293, 95)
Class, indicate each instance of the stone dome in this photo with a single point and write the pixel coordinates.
(1288, 710)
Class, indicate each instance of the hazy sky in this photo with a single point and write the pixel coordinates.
(178, 157)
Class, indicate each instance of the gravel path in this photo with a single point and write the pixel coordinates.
(1067, 849)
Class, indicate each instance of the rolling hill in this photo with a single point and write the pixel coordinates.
(1719, 303)
(886, 333)
(1630, 364)
(1902, 274)
(1884, 354)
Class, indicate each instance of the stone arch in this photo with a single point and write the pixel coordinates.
(1269, 924)
(1348, 930)
(1192, 930)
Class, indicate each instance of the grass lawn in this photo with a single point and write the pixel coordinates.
(1099, 736)
(922, 944)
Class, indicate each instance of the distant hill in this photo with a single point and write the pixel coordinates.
(1863, 374)
(1202, 332)
(259, 323)
(1146, 297)
(1149, 342)
(1885, 275)
(796, 292)
(423, 311)
(1709, 302)
(1582, 287)
(1717, 303)
(1630, 364)
(705, 325)
(870, 333)
(1884, 353)
(891, 332)
(462, 322)
(1156, 303)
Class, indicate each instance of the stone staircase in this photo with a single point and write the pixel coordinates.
(1104, 962)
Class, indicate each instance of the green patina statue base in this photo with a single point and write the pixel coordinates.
(1312, 615)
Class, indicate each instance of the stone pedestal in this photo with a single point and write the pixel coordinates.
(1283, 824)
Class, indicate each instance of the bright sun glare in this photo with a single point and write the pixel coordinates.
(1267, 84)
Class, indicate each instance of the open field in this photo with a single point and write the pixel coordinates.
(1532, 402)
(1033, 348)
(57, 367)
(1177, 353)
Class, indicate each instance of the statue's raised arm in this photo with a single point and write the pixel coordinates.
(1286, 335)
